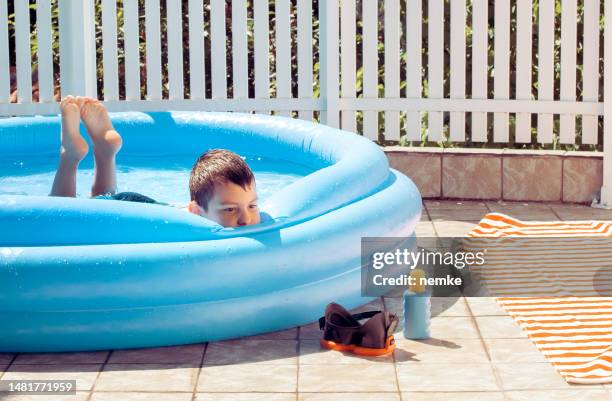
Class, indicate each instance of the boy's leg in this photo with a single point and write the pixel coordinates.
(107, 143)
(73, 149)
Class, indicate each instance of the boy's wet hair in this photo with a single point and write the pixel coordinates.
(217, 166)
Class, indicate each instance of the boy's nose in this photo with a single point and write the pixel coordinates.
(243, 218)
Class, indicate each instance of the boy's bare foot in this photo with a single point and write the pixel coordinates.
(106, 140)
(74, 148)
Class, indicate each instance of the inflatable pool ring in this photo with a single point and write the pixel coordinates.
(84, 274)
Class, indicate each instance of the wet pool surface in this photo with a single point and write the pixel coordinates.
(163, 178)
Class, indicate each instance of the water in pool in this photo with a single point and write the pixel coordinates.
(163, 178)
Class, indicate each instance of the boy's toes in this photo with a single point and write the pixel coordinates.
(70, 111)
(89, 106)
(85, 108)
(68, 100)
(80, 101)
(69, 106)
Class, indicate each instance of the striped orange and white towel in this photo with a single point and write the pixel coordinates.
(573, 332)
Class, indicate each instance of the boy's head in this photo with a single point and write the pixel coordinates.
(222, 188)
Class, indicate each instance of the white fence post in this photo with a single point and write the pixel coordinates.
(77, 48)
(23, 61)
(329, 72)
(606, 190)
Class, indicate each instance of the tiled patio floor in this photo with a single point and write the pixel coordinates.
(477, 352)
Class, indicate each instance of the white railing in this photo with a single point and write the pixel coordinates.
(346, 100)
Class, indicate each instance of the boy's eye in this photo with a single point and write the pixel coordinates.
(253, 206)
(228, 209)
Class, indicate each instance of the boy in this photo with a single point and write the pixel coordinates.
(222, 186)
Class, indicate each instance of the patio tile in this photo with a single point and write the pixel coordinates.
(513, 350)
(425, 169)
(248, 377)
(442, 377)
(582, 394)
(425, 229)
(449, 306)
(339, 378)
(522, 178)
(521, 206)
(485, 306)
(469, 215)
(440, 306)
(273, 352)
(310, 331)
(191, 354)
(440, 351)
(124, 396)
(147, 377)
(577, 212)
(290, 334)
(499, 327)
(62, 358)
(424, 215)
(529, 376)
(245, 397)
(349, 396)
(454, 396)
(471, 176)
(311, 353)
(454, 227)
(79, 396)
(582, 178)
(84, 374)
(449, 328)
(455, 205)
(6, 358)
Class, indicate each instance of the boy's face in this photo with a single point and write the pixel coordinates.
(231, 205)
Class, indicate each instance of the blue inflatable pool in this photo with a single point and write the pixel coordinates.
(84, 274)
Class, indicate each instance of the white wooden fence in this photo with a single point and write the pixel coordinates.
(405, 112)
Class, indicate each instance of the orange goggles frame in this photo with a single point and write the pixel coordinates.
(362, 351)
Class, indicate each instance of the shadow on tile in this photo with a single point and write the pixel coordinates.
(402, 353)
